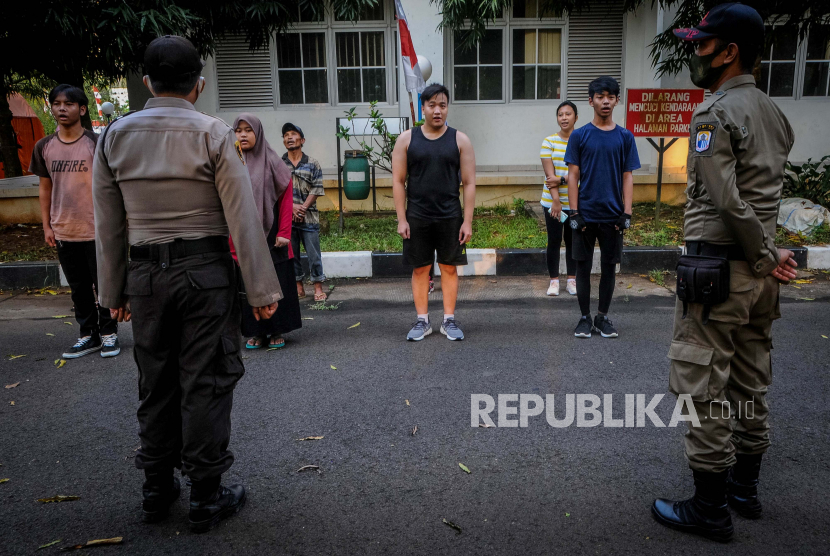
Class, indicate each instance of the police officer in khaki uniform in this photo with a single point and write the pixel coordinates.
(720, 355)
(168, 180)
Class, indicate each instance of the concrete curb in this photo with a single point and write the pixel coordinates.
(481, 262)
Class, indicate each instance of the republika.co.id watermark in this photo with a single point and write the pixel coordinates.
(589, 410)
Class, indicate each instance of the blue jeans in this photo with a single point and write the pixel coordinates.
(311, 242)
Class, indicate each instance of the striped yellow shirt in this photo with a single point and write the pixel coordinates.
(554, 147)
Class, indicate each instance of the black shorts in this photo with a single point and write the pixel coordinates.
(428, 236)
(610, 242)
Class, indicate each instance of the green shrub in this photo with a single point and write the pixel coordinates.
(810, 180)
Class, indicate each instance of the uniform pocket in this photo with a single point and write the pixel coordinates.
(139, 281)
(691, 369)
(229, 367)
(209, 295)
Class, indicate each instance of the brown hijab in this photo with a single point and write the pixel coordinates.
(269, 174)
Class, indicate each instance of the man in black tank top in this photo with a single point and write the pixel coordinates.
(429, 164)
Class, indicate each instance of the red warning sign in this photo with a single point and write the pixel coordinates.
(661, 112)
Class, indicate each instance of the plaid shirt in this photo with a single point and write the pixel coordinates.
(308, 180)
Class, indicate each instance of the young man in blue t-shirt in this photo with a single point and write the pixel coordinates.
(601, 157)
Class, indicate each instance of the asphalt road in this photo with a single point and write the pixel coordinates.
(383, 490)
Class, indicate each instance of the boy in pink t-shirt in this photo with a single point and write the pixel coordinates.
(63, 161)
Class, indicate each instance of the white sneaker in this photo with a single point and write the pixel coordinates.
(554, 287)
(571, 286)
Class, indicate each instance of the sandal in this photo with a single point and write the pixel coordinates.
(320, 296)
(279, 344)
(259, 339)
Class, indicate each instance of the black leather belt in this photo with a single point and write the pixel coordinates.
(729, 252)
(179, 248)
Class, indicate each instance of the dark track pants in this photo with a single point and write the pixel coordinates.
(186, 320)
(79, 265)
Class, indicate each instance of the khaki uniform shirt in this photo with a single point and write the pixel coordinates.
(739, 144)
(169, 172)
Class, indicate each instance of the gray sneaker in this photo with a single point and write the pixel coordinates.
(449, 328)
(420, 330)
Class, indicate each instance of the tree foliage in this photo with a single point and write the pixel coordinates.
(668, 54)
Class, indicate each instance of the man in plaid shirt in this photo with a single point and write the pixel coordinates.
(308, 185)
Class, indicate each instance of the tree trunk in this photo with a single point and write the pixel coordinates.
(8, 139)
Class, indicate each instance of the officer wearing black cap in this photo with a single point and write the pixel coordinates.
(728, 282)
(168, 181)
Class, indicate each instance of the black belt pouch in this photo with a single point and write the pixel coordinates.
(703, 280)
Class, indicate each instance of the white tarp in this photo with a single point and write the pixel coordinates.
(801, 216)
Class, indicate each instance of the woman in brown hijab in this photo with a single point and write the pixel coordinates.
(272, 188)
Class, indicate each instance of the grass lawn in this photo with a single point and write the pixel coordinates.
(506, 226)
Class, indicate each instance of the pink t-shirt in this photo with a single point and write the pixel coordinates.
(69, 166)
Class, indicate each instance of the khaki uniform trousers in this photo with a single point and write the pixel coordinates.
(725, 367)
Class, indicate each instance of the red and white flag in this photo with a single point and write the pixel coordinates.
(409, 60)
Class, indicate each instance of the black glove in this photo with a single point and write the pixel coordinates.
(623, 222)
(576, 221)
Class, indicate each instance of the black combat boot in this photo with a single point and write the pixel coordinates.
(742, 485)
(160, 490)
(210, 503)
(703, 514)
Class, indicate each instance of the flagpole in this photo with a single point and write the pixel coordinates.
(411, 108)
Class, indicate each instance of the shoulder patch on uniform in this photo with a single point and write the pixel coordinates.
(704, 136)
(238, 149)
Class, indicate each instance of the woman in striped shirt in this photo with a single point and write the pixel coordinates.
(555, 196)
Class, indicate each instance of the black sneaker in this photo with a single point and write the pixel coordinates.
(83, 346)
(605, 327)
(110, 347)
(584, 328)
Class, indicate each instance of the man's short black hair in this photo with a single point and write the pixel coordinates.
(604, 84)
(434, 90)
(748, 53)
(71, 92)
(181, 85)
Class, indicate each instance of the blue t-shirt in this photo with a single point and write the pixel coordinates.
(602, 157)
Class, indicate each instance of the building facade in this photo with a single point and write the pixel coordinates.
(504, 92)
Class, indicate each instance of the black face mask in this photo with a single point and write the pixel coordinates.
(702, 73)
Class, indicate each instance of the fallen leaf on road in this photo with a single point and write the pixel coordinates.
(60, 362)
(47, 545)
(272, 349)
(308, 318)
(3, 481)
(51, 292)
(67, 322)
(16, 384)
(13, 357)
(414, 430)
(59, 498)
(796, 287)
(629, 286)
(96, 542)
(310, 468)
(484, 426)
(333, 368)
(464, 468)
(803, 281)
(493, 281)
(310, 438)
(11, 403)
(823, 336)
(567, 514)
(806, 298)
(353, 326)
(49, 334)
(452, 525)
(407, 402)
(61, 317)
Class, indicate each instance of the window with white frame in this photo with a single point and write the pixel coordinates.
(477, 70)
(322, 59)
(519, 59)
(794, 67)
(537, 64)
(302, 73)
(361, 67)
(817, 63)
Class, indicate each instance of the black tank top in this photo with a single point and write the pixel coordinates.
(434, 167)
